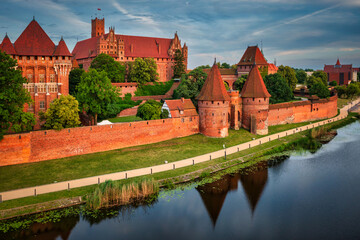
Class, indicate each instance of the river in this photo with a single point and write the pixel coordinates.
(308, 196)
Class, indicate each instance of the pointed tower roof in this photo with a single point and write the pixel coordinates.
(62, 49)
(7, 47)
(214, 88)
(254, 86)
(338, 62)
(252, 55)
(33, 41)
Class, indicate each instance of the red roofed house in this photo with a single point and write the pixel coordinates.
(45, 65)
(180, 108)
(342, 74)
(124, 48)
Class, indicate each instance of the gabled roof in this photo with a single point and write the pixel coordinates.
(34, 41)
(85, 48)
(254, 86)
(7, 47)
(272, 67)
(338, 62)
(184, 105)
(252, 56)
(62, 49)
(213, 88)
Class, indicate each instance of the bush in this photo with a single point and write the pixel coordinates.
(156, 89)
(151, 110)
(319, 90)
(333, 83)
(113, 109)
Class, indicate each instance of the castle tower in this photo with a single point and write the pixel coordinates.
(213, 103)
(255, 103)
(235, 110)
(97, 27)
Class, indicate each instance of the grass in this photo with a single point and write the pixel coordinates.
(125, 119)
(158, 88)
(341, 102)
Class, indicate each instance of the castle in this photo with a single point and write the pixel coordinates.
(343, 74)
(45, 65)
(124, 48)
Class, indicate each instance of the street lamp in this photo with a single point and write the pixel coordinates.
(224, 146)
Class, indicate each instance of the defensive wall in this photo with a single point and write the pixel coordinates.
(51, 144)
(295, 112)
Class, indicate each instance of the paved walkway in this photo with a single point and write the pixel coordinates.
(55, 187)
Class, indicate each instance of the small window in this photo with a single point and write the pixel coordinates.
(52, 78)
(42, 105)
(182, 120)
(41, 78)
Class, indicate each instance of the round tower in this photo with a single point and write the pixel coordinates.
(213, 104)
(255, 103)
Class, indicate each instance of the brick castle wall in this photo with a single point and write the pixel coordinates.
(50, 144)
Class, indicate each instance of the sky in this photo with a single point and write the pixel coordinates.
(297, 33)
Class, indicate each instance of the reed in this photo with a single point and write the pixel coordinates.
(112, 193)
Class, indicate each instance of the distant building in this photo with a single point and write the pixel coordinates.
(179, 108)
(45, 65)
(342, 74)
(124, 48)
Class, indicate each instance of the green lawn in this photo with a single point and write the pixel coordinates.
(342, 102)
(125, 119)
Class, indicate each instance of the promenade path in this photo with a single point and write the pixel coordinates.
(60, 186)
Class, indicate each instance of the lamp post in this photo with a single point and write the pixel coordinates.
(224, 146)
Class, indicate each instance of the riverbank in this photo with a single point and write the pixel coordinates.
(235, 161)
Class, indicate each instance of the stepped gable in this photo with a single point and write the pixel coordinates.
(254, 86)
(62, 49)
(253, 55)
(214, 88)
(7, 47)
(33, 41)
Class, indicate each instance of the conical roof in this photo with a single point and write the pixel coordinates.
(7, 47)
(254, 86)
(214, 88)
(338, 62)
(62, 49)
(33, 41)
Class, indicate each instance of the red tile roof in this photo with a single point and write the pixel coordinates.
(7, 47)
(135, 46)
(62, 49)
(34, 42)
(223, 71)
(214, 88)
(252, 56)
(272, 67)
(254, 86)
(338, 62)
(181, 105)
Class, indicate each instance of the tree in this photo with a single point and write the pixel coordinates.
(278, 88)
(115, 71)
(143, 71)
(352, 90)
(301, 75)
(225, 65)
(74, 80)
(151, 110)
(322, 75)
(179, 66)
(341, 91)
(191, 85)
(289, 74)
(63, 113)
(319, 89)
(333, 83)
(95, 92)
(239, 83)
(312, 80)
(13, 96)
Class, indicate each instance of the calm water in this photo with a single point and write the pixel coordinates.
(310, 196)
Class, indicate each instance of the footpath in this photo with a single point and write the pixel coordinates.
(66, 185)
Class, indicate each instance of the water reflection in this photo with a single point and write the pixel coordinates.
(214, 194)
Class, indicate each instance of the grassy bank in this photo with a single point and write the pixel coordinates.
(125, 119)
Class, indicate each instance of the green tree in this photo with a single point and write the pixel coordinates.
(115, 71)
(289, 74)
(278, 88)
(74, 80)
(191, 85)
(341, 91)
(179, 66)
(239, 83)
(301, 75)
(95, 92)
(63, 113)
(151, 110)
(352, 90)
(333, 83)
(13, 96)
(143, 71)
(319, 89)
(225, 65)
(322, 75)
(312, 80)
(203, 67)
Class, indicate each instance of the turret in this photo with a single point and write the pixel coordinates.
(97, 27)
(255, 103)
(213, 104)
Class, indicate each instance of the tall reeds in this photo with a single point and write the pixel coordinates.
(112, 193)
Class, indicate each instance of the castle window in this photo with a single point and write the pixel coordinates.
(63, 58)
(121, 58)
(212, 102)
(52, 78)
(264, 99)
(212, 114)
(30, 78)
(27, 58)
(218, 103)
(42, 105)
(41, 78)
(42, 58)
(36, 58)
(259, 100)
(253, 99)
(50, 58)
(182, 120)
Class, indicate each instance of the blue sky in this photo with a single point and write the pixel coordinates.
(298, 33)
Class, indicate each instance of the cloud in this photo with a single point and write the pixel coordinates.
(349, 49)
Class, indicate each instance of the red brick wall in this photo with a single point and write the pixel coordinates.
(44, 145)
(284, 113)
(258, 107)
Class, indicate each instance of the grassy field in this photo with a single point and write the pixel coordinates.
(342, 102)
(125, 119)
